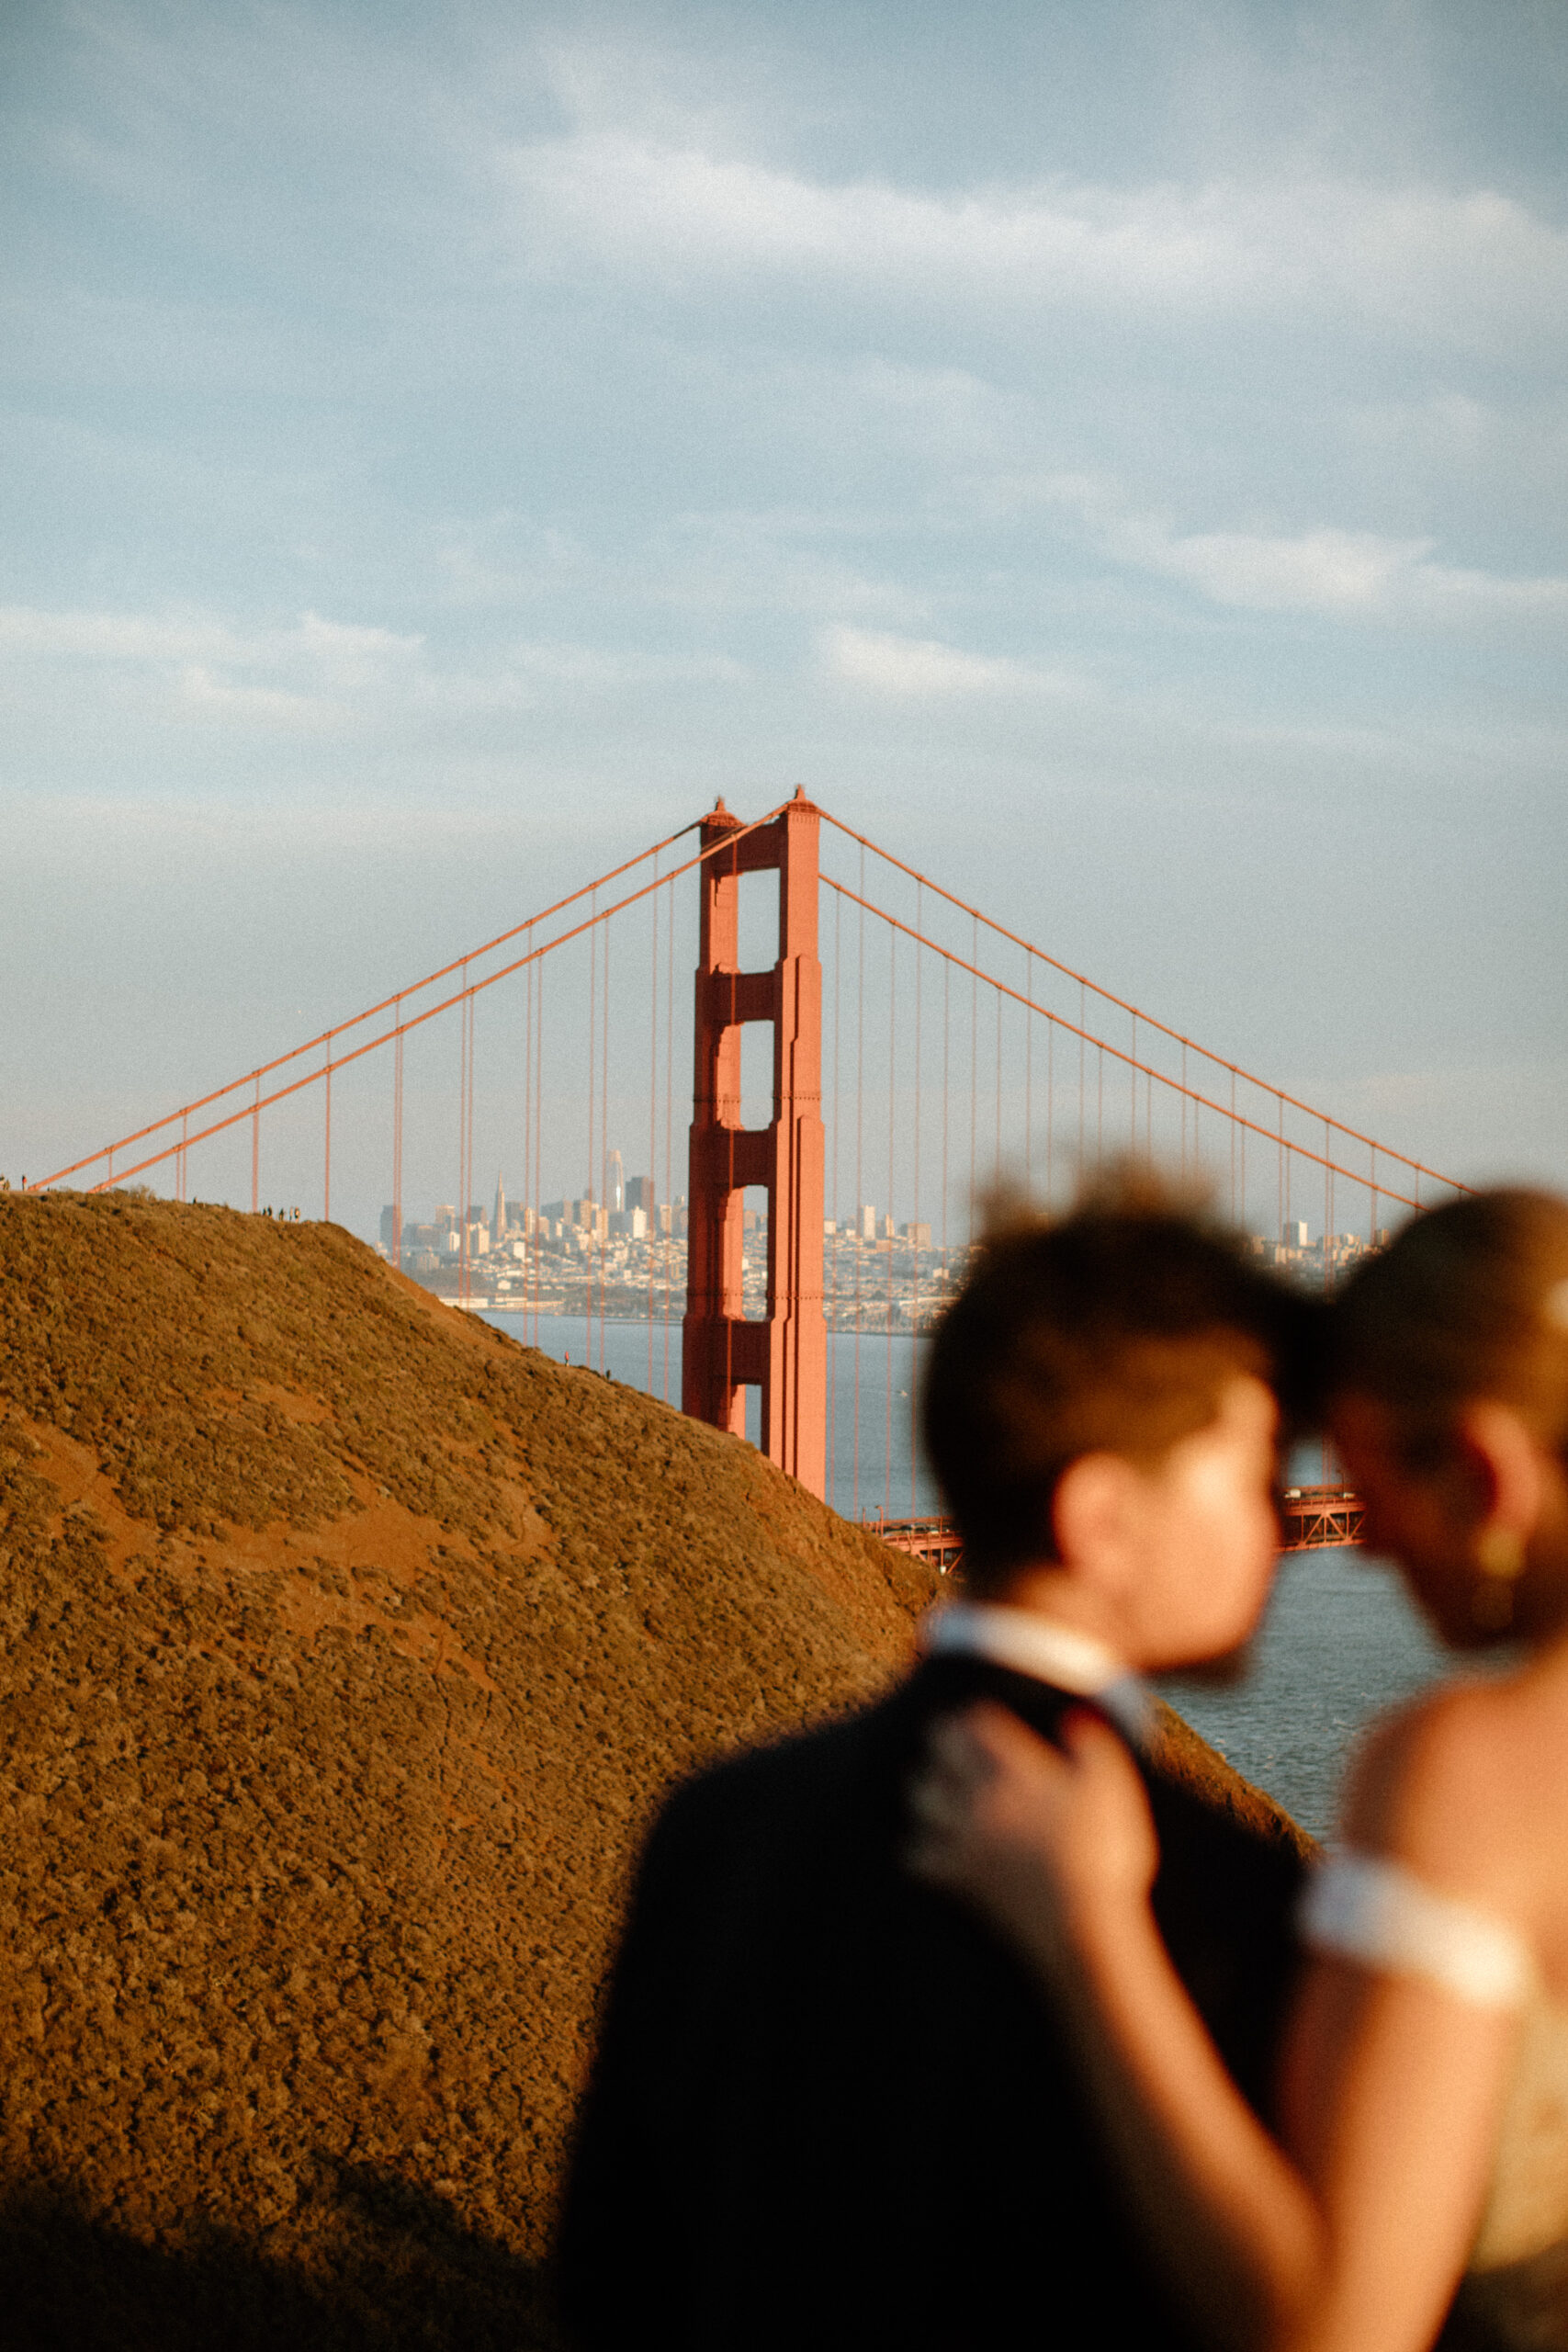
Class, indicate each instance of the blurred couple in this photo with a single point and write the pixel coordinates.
(979, 2017)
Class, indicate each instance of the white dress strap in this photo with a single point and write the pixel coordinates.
(1366, 1908)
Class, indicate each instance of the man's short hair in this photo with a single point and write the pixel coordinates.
(1114, 1328)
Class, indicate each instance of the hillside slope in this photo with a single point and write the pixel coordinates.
(347, 1646)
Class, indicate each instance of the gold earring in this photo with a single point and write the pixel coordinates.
(1500, 1554)
(1499, 1559)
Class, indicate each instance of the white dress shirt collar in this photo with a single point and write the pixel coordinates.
(1030, 1644)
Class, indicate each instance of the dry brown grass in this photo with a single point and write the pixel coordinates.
(348, 1648)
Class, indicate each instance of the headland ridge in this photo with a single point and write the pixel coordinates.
(348, 1646)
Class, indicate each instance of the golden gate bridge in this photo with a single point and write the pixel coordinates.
(915, 1044)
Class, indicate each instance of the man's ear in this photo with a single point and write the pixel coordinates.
(1093, 1517)
(1504, 1466)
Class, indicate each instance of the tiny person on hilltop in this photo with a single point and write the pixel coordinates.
(830, 2105)
(1425, 2083)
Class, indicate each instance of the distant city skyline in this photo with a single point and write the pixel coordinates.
(586, 1224)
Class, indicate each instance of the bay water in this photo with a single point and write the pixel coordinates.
(1339, 1642)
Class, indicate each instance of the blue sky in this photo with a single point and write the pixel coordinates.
(1116, 454)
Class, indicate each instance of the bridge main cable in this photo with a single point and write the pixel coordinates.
(1176, 1085)
(1149, 1020)
(280, 1094)
(264, 1070)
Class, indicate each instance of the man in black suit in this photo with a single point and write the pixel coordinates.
(828, 2108)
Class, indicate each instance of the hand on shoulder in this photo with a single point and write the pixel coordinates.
(1045, 1841)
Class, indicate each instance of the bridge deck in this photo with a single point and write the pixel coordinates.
(1312, 1518)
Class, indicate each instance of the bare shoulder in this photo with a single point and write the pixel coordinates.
(1469, 1786)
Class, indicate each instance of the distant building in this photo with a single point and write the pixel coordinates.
(640, 1193)
(1294, 1233)
(868, 1222)
(497, 1215)
(615, 1184)
(918, 1236)
(390, 1228)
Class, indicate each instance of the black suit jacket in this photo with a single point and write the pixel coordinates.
(831, 2110)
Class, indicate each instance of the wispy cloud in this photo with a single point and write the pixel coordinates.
(340, 649)
(1317, 571)
(718, 564)
(922, 667)
(319, 674)
(1323, 568)
(1417, 257)
(309, 677)
(1349, 573)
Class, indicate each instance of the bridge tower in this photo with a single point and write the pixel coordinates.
(785, 1354)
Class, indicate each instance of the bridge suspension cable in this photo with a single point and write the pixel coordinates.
(264, 1070)
(1080, 980)
(1144, 1070)
(342, 1061)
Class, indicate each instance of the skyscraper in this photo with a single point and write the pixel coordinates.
(615, 1184)
(498, 1221)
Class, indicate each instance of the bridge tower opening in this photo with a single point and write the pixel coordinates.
(786, 1353)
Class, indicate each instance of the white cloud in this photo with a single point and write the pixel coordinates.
(683, 209)
(1334, 571)
(1319, 570)
(528, 674)
(908, 666)
(336, 647)
(204, 697)
(1324, 568)
(588, 665)
(715, 563)
(310, 678)
(107, 637)
(320, 676)
(1451, 264)
(1445, 592)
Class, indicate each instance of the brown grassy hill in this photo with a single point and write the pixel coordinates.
(347, 1646)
